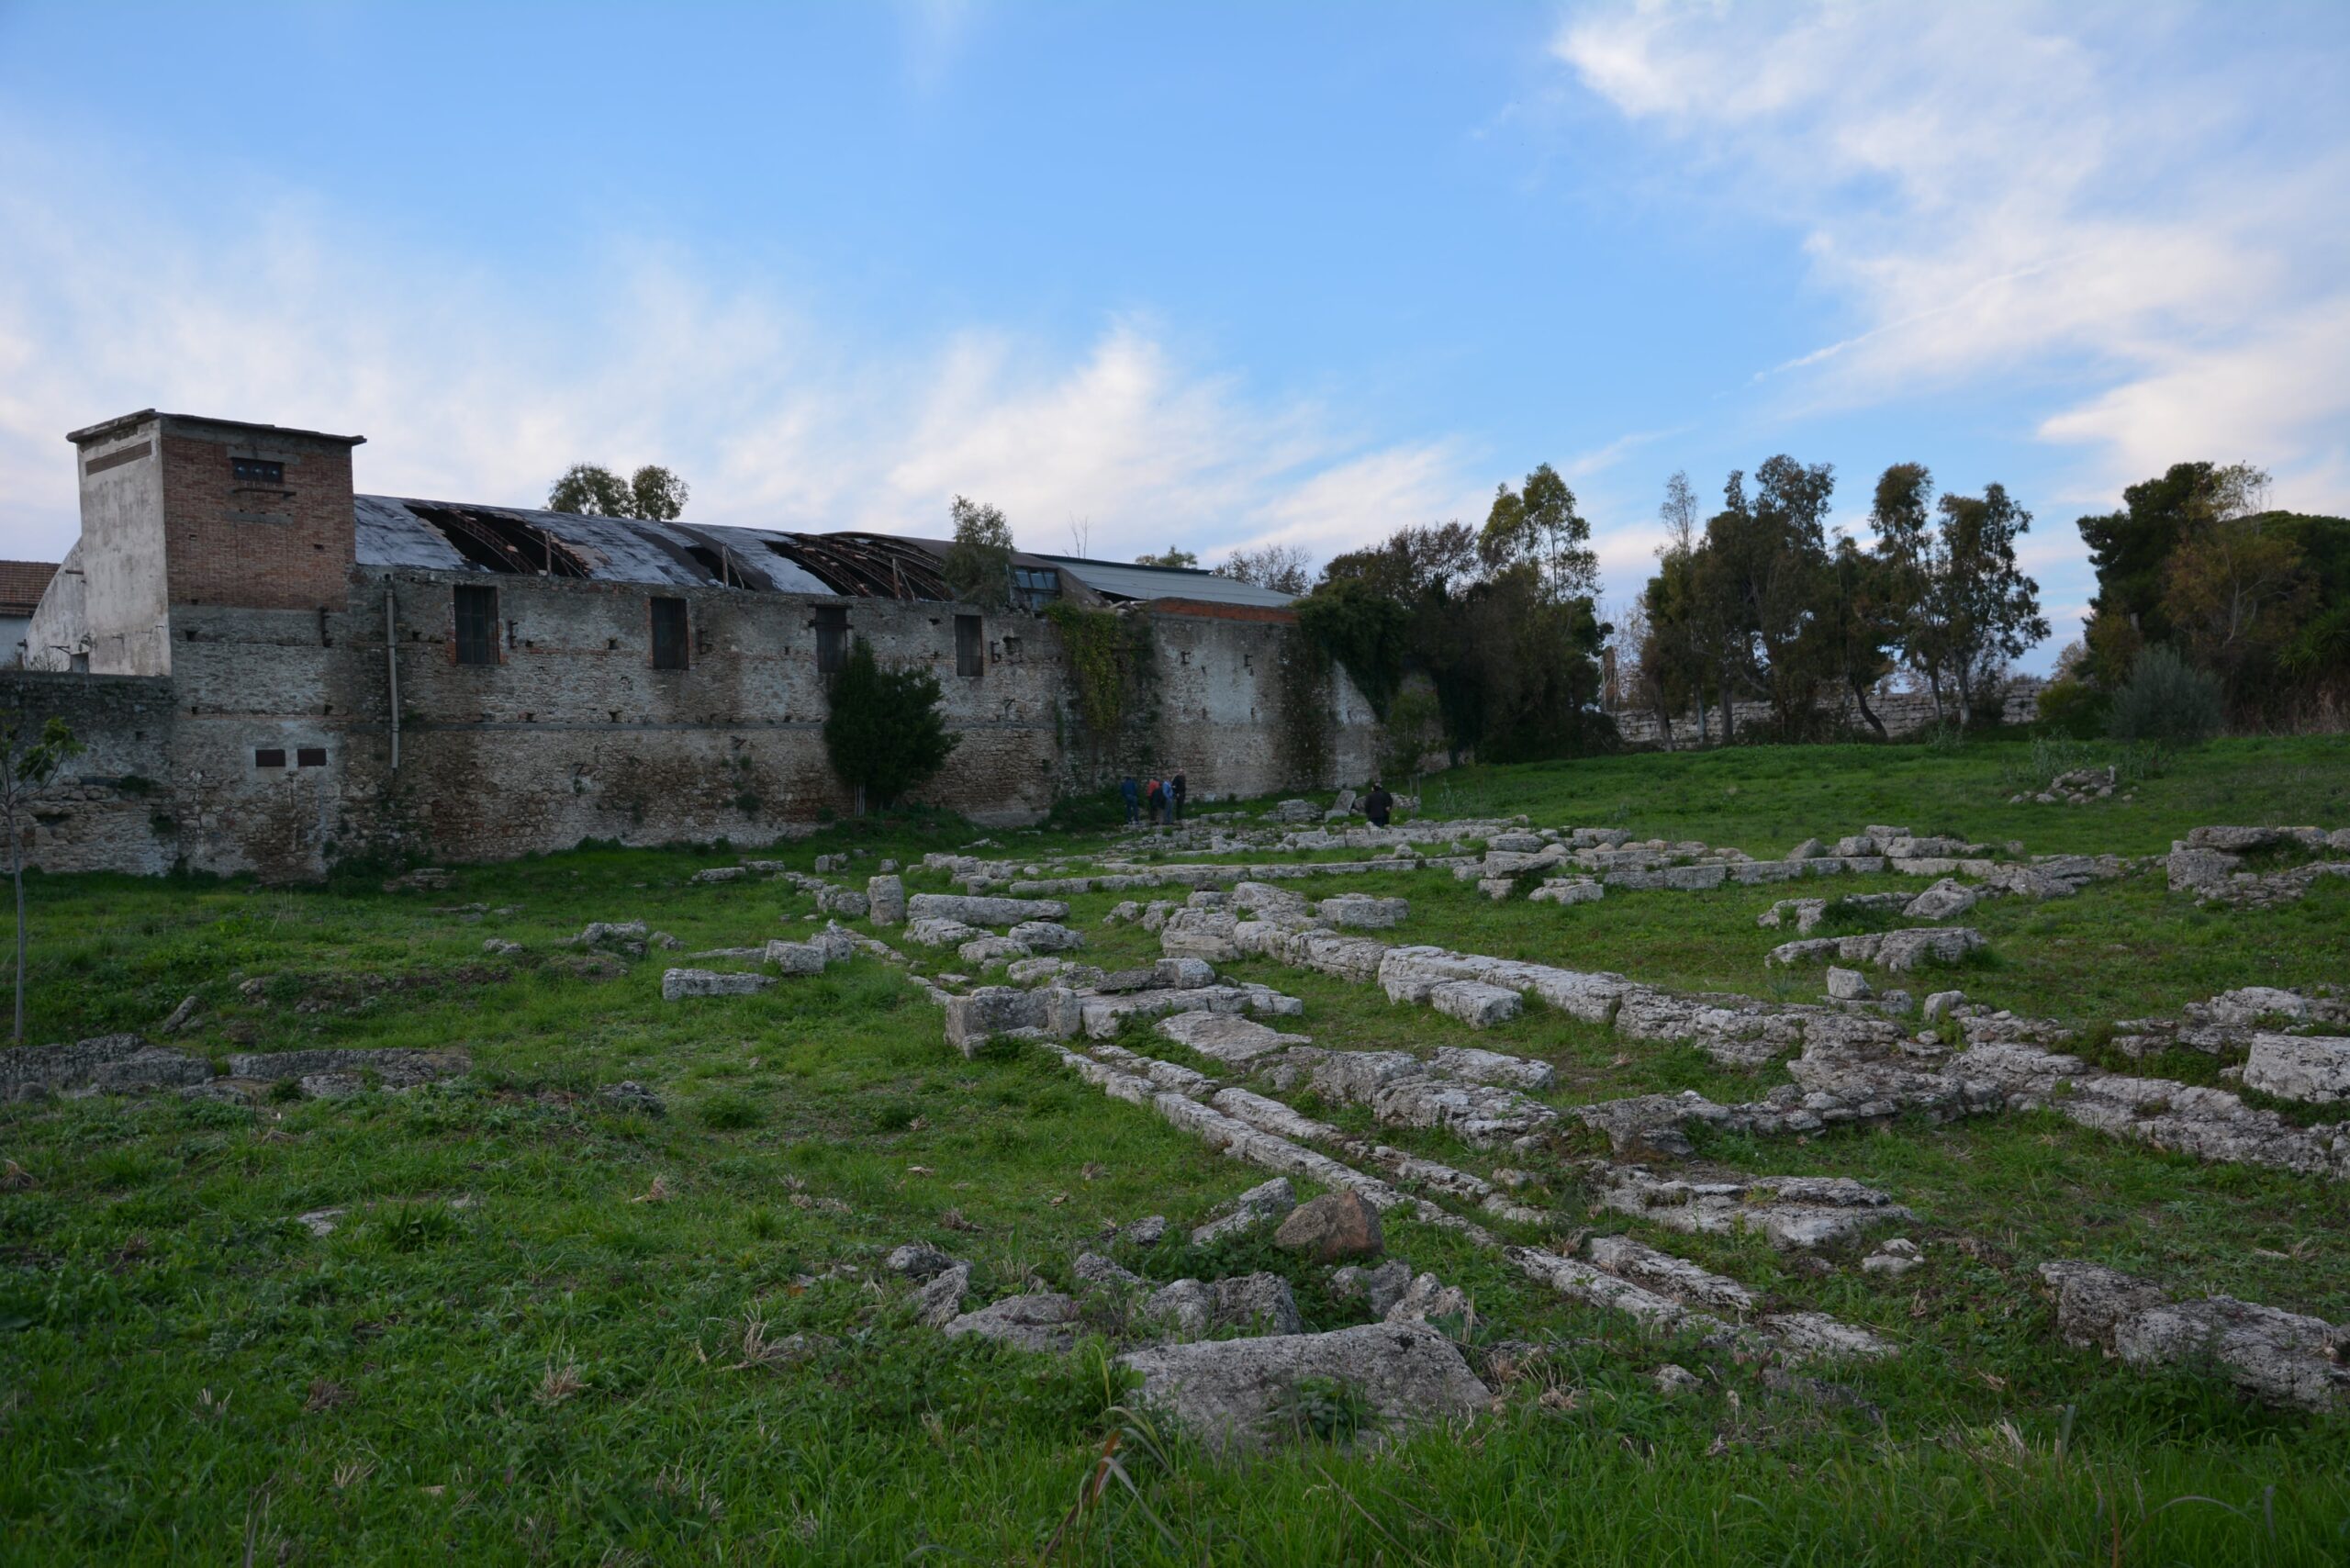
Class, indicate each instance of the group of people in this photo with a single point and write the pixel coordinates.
(1162, 798)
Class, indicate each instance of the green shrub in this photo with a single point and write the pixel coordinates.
(2167, 699)
(2074, 709)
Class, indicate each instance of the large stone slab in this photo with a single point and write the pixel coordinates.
(2314, 1068)
(1226, 1037)
(981, 911)
(679, 985)
(1227, 1392)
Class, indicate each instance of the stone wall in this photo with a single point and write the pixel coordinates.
(1902, 714)
(271, 744)
(112, 808)
(1219, 706)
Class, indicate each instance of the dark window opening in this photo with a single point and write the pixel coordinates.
(668, 633)
(269, 756)
(971, 653)
(502, 543)
(476, 625)
(1033, 588)
(310, 756)
(257, 471)
(831, 640)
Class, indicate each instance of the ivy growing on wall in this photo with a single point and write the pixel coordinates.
(1308, 726)
(1109, 669)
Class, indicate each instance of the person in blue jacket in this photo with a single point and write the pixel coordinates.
(1132, 793)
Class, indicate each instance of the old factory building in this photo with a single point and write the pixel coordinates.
(273, 672)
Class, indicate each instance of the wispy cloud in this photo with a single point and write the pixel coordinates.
(2063, 194)
(472, 385)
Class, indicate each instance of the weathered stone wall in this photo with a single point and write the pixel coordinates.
(113, 807)
(270, 746)
(1220, 716)
(1902, 712)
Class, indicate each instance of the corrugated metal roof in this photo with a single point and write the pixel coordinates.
(451, 536)
(606, 549)
(1122, 581)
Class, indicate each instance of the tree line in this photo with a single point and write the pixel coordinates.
(1759, 603)
(2209, 601)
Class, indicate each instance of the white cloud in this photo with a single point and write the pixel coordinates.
(474, 387)
(2081, 196)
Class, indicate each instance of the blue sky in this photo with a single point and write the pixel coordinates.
(1214, 277)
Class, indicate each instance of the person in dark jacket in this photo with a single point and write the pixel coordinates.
(1131, 791)
(1378, 804)
(1155, 797)
(1175, 795)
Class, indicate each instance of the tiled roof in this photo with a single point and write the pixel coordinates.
(21, 584)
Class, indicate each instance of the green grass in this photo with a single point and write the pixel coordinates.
(547, 1330)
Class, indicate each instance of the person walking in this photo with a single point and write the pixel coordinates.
(1177, 795)
(1154, 795)
(1378, 804)
(1131, 792)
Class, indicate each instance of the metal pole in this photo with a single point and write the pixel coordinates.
(392, 670)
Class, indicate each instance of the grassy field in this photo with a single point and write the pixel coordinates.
(546, 1331)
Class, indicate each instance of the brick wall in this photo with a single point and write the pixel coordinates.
(264, 547)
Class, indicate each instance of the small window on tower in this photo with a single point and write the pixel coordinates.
(668, 633)
(310, 756)
(257, 471)
(269, 756)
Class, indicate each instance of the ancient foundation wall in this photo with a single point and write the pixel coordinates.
(1902, 712)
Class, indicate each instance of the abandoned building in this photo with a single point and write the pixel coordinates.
(273, 672)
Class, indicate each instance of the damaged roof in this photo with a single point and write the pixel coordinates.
(449, 536)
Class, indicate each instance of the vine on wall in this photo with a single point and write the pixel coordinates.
(1309, 725)
(1111, 671)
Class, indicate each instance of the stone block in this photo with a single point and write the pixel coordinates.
(678, 985)
(2310, 1067)
(1475, 1003)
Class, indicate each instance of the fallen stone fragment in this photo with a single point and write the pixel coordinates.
(1848, 985)
(2281, 1358)
(1797, 1213)
(1803, 1336)
(917, 1261)
(1363, 912)
(2310, 1067)
(1944, 899)
(941, 933)
(320, 1223)
(678, 985)
(982, 951)
(885, 900)
(1428, 1297)
(1473, 1066)
(795, 957)
(501, 947)
(940, 1300)
(395, 1068)
(1331, 1227)
(1677, 1277)
(979, 910)
(1045, 1322)
(1095, 1270)
(1045, 936)
(630, 1096)
(1475, 1003)
(1226, 1392)
(1149, 1231)
(1266, 1202)
(1379, 1288)
(1226, 1037)
(1673, 1380)
(107, 1064)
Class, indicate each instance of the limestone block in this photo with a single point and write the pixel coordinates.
(2311, 1068)
(678, 985)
